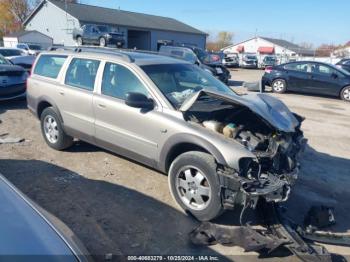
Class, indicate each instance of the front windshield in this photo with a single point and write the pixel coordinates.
(201, 54)
(103, 29)
(3, 61)
(251, 57)
(340, 70)
(270, 58)
(178, 82)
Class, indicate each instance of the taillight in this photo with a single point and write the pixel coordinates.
(268, 69)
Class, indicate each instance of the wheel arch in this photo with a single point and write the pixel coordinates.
(46, 102)
(182, 143)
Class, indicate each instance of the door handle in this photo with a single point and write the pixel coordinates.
(61, 92)
(102, 106)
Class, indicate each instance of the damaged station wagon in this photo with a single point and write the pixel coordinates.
(219, 149)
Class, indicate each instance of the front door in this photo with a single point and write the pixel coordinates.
(325, 80)
(128, 131)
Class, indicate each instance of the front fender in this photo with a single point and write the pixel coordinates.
(225, 152)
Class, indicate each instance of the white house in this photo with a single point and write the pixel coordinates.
(58, 19)
(342, 52)
(262, 46)
(28, 37)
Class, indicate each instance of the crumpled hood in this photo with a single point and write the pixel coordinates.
(269, 108)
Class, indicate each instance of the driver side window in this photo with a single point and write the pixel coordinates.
(118, 81)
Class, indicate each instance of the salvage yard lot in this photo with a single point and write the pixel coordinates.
(118, 206)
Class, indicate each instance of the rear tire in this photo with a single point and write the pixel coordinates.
(279, 86)
(345, 94)
(195, 186)
(52, 130)
(80, 41)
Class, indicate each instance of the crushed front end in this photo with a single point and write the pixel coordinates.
(270, 175)
(267, 130)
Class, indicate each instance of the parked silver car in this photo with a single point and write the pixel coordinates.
(29, 233)
(218, 148)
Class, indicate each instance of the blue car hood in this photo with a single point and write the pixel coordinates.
(271, 109)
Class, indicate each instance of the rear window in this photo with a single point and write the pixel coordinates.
(82, 73)
(49, 65)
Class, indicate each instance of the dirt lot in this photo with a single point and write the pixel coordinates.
(120, 207)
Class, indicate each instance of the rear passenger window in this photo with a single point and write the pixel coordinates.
(118, 81)
(82, 73)
(49, 65)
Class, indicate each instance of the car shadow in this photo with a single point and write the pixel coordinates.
(235, 83)
(108, 218)
(13, 105)
(323, 180)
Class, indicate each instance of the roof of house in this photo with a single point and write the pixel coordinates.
(283, 43)
(289, 45)
(22, 33)
(101, 15)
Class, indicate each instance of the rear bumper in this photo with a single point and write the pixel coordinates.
(116, 41)
(12, 92)
(249, 66)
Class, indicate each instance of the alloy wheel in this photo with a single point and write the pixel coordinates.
(346, 94)
(51, 129)
(102, 42)
(193, 188)
(278, 85)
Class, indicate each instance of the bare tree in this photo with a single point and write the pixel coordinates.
(219, 41)
(19, 9)
(306, 45)
(224, 39)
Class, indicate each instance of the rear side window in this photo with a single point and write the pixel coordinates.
(49, 65)
(82, 73)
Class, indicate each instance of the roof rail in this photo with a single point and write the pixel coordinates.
(105, 50)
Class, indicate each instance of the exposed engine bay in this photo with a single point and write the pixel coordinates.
(275, 167)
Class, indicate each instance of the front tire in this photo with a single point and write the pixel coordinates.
(102, 42)
(52, 130)
(345, 94)
(279, 86)
(195, 186)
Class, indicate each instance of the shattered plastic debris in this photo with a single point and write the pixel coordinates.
(6, 139)
(243, 236)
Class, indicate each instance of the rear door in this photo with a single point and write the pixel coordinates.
(298, 75)
(129, 131)
(74, 97)
(325, 80)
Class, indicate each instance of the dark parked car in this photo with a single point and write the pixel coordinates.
(98, 35)
(269, 60)
(209, 62)
(29, 233)
(344, 64)
(12, 80)
(309, 77)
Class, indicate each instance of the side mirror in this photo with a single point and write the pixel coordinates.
(334, 75)
(139, 100)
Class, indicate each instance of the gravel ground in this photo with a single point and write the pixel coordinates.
(117, 206)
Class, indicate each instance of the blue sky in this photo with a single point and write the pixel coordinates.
(315, 21)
